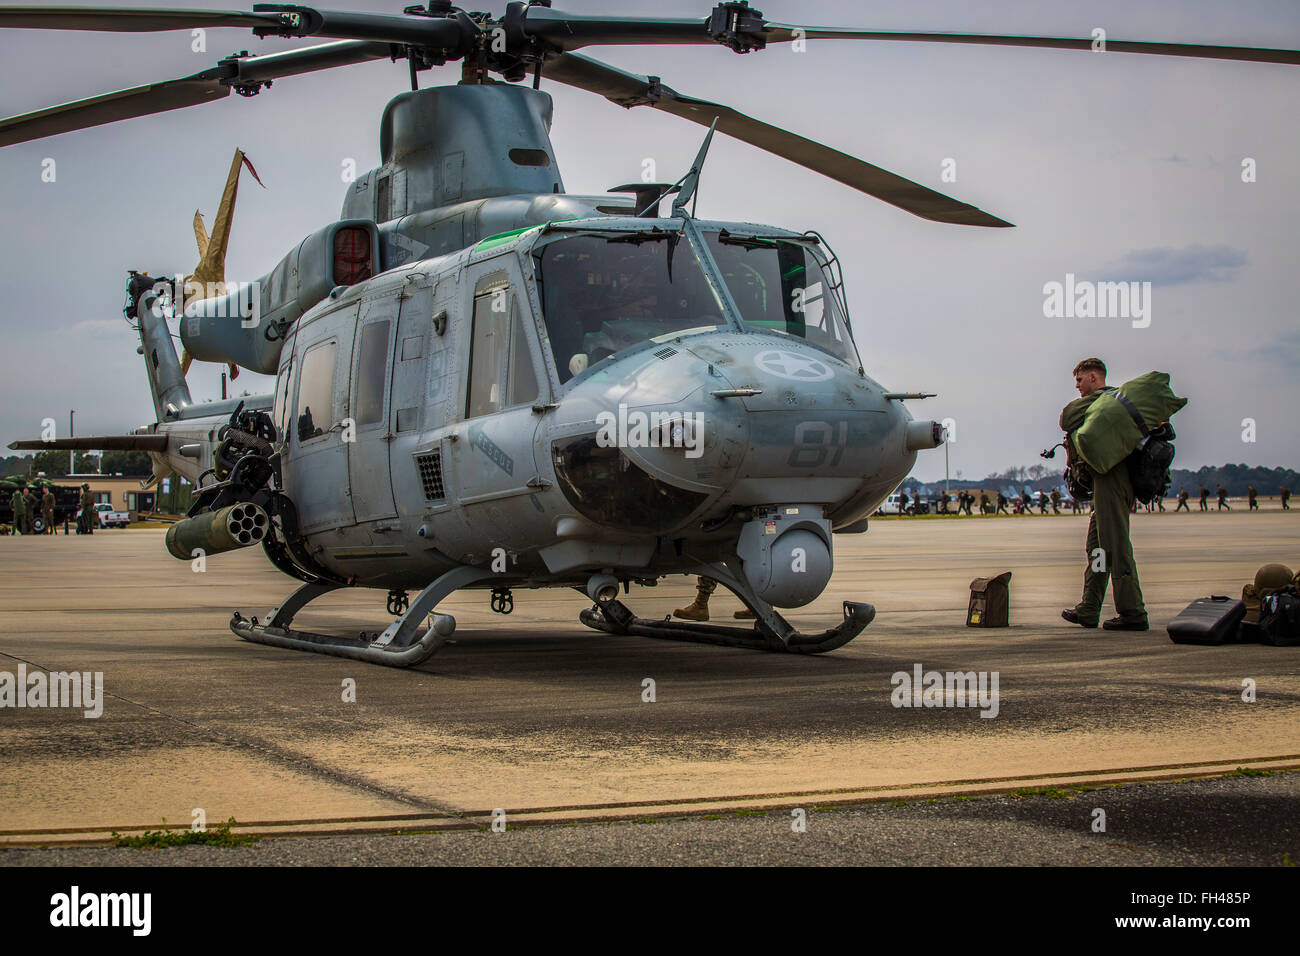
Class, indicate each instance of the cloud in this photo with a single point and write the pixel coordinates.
(1283, 350)
(1168, 266)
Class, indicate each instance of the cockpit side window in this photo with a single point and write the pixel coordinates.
(501, 371)
(316, 391)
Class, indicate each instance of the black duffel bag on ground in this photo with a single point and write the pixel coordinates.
(1279, 618)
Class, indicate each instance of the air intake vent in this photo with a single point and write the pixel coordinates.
(666, 353)
(430, 465)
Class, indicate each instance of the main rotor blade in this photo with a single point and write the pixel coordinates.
(440, 33)
(204, 87)
(570, 31)
(111, 107)
(742, 30)
(629, 89)
(782, 33)
(128, 19)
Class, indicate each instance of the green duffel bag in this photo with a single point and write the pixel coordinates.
(1117, 421)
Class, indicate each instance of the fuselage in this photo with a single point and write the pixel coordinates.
(610, 393)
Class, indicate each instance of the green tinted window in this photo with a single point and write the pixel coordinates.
(779, 285)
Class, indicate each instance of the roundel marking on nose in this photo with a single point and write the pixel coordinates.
(796, 368)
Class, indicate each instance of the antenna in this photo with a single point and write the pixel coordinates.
(692, 179)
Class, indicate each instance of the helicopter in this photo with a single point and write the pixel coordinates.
(486, 382)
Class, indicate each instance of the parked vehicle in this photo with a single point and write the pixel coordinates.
(891, 506)
(108, 518)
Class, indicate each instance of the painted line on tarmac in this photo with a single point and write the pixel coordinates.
(684, 807)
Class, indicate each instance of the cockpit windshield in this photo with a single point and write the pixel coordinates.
(605, 292)
(780, 285)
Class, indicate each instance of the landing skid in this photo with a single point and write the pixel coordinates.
(771, 632)
(403, 644)
(615, 618)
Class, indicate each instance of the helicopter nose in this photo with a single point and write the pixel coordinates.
(747, 419)
(762, 411)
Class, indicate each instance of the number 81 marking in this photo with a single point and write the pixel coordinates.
(814, 440)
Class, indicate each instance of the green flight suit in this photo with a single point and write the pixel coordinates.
(47, 510)
(19, 505)
(88, 515)
(1108, 530)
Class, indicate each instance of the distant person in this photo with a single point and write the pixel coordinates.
(1223, 498)
(967, 500)
(33, 508)
(1205, 498)
(1002, 505)
(984, 502)
(1182, 501)
(1056, 502)
(1026, 501)
(47, 509)
(916, 502)
(1108, 529)
(1252, 495)
(1286, 496)
(1042, 503)
(87, 519)
(943, 503)
(19, 505)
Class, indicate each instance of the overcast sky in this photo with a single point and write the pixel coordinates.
(1112, 166)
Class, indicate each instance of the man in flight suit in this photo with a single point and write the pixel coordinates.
(88, 517)
(19, 503)
(47, 509)
(1108, 551)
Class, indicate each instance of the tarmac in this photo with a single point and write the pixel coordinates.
(533, 719)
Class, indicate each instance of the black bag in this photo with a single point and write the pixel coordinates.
(1148, 466)
(990, 602)
(1279, 618)
(1211, 620)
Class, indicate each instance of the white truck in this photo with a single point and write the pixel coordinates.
(108, 518)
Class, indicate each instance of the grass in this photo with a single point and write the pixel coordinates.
(167, 837)
(1056, 793)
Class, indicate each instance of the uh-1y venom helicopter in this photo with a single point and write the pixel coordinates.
(486, 382)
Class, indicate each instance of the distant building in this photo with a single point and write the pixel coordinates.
(121, 491)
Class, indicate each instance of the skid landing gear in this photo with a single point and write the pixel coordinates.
(771, 632)
(401, 645)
